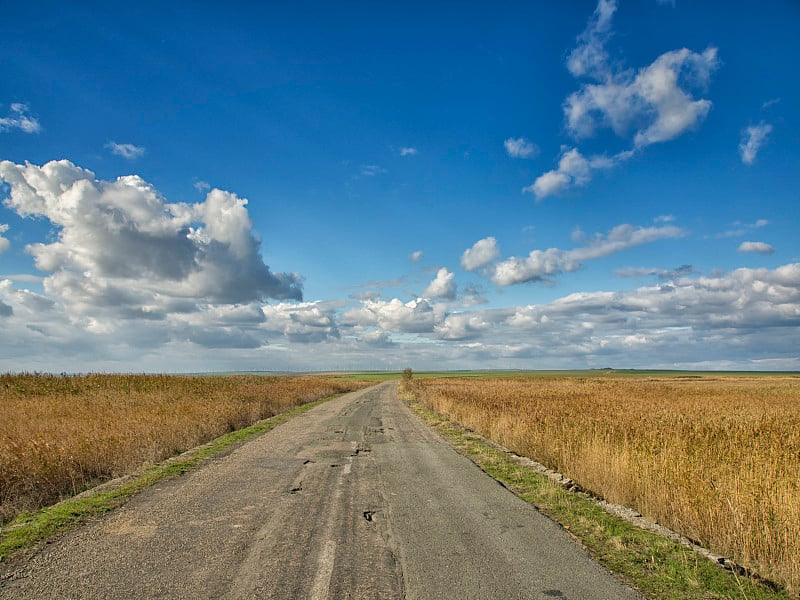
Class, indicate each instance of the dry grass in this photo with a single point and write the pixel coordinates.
(61, 435)
(716, 458)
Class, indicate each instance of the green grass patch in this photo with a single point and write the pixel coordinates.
(660, 568)
(29, 529)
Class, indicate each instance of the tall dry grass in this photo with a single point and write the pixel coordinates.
(715, 458)
(59, 435)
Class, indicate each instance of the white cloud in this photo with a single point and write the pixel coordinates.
(472, 295)
(739, 228)
(589, 58)
(649, 105)
(678, 323)
(19, 118)
(745, 319)
(304, 322)
(480, 254)
(376, 338)
(653, 103)
(408, 151)
(123, 253)
(541, 264)
(201, 186)
(4, 243)
(521, 148)
(372, 170)
(753, 138)
(757, 247)
(128, 151)
(770, 103)
(415, 316)
(442, 286)
(415, 256)
(574, 169)
(461, 326)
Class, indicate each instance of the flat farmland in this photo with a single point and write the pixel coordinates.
(715, 457)
(60, 435)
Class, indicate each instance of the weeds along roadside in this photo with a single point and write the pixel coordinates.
(61, 435)
(714, 458)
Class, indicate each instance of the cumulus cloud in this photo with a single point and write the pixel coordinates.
(415, 256)
(677, 324)
(303, 322)
(654, 103)
(650, 105)
(19, 118)
(480, 254)
(747, 318)
(574, 169)
(745, 298)
(408, 151)
(123, 252)
(753, 138)
(4, 243)
(128, 151)
(541, 264)
(520, 148)
(461, 326)
(757, 247)
(416, 316)
(201, 186)
(442, 285)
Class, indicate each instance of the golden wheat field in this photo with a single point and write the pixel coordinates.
(60, 435)
(716, 458)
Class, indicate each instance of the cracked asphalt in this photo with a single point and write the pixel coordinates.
(356, 498)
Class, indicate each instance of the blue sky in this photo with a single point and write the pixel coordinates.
(435, 185)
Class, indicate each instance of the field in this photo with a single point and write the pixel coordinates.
(62, 435)
(716, 458)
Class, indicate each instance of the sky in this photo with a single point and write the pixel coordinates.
(298, 186)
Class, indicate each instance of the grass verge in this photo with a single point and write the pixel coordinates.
(28, 530)
(660, 568)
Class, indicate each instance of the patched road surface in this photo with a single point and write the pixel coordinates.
(356, 498)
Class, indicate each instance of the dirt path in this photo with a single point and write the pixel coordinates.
(353, 499)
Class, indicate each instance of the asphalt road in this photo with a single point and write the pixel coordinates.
(356, 498)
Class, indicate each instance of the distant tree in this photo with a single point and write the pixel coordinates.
(407, 374)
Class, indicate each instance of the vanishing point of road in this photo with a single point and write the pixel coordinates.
(356, 498)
